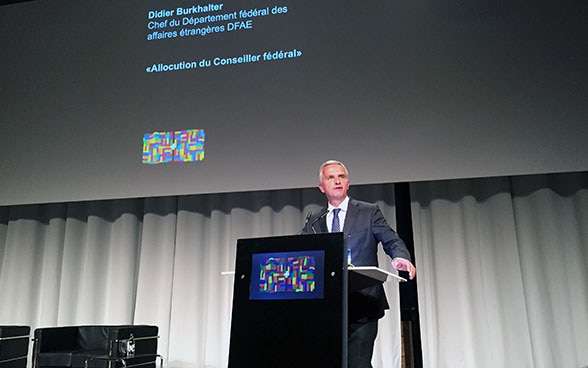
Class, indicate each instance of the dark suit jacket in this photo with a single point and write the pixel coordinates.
(365, 227)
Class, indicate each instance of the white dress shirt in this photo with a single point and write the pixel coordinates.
(342, 213)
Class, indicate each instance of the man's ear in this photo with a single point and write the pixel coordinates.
(320, 186)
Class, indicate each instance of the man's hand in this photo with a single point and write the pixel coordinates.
(404, 265)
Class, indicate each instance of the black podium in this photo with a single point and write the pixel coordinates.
(290, 302)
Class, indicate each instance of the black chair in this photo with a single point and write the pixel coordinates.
(96, 346)
(14, 346)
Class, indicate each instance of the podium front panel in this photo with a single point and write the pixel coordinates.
(290, 302)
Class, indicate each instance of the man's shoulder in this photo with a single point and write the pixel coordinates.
(358, 203)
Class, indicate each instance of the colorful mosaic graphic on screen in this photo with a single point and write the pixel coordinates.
(289, 274)
(177, 146)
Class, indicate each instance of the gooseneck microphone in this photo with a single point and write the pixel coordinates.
(307, 218)
(305, 222)
(320, 216)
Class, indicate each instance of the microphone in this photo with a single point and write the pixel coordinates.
(320, 216)
(305, 222)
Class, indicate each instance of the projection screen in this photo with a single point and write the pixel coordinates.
(138, 98)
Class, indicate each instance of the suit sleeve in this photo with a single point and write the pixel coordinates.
(391, 242)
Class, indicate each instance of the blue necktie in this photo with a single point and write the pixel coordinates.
(336, 227)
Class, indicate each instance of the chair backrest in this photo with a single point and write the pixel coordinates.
(50, 339)
(93, 338)
(14, 346)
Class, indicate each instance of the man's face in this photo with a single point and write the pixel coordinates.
(334, 183)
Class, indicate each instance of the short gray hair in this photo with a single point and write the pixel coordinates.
(331, 162)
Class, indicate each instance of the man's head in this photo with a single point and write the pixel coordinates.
(334, 181)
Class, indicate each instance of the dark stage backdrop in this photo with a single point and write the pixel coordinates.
(399, 90)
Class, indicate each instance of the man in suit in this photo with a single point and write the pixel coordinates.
(364, 227)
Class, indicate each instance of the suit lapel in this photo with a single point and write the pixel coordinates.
(352, 211)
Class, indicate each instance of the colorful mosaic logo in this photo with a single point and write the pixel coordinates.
(291, 274)
(177, 146)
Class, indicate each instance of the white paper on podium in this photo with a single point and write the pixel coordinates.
(375, 273)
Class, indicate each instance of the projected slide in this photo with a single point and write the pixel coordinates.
(398, 90)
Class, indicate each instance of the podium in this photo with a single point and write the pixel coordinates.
(290, 301)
